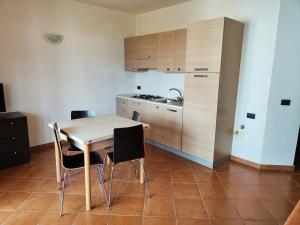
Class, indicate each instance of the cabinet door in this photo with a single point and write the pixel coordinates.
(123, 109)
(180, 50)
(146, 51)
(204, 46)
(130, 53)
(165, 51)
(199, 114)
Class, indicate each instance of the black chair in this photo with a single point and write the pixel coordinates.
(136, 116)
(128, 146)
(73, 162)
(78, 114)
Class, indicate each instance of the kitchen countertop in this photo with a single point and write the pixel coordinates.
(130, 96)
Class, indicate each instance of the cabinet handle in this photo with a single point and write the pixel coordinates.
(172, 110)
(157, 107)
(168, 69)
(145, 58)
(201, 69)
(15, 153)
(178, 69)
(198, 75)
(11, 123)
(13, 138)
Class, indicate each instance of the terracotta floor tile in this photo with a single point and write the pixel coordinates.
(279, 179)
(270, 222)
(226, 222)
(206, 177)
(183, 177)
(132, 189)
(19, 171)
(154, 165)
(125, 205)
(186, 190)
(72, 203)
(159, 176)
(49, 186)
(267, 193)
(76, 186)
(23, 218)
(56, 219)
(41, 172)
(239, 192)
(4, 215)
(90, 219)
(280, 210)
(160, 189)
(180, 166)
(296, 178)
(243, 178)
(221, 209)
(11, 200)
(252, 210)
(226, 168)
(292, 193)
(159, 221)
(189, 208)
(159, 207)
(192, 221)
(7, 183)
(38, 202)
(28, 184)
(200, 168)
(98, 205)
(125, 220)
(212, 191)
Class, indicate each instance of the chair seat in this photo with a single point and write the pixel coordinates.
(76, 161)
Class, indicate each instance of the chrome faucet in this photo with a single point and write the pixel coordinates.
(180, 99)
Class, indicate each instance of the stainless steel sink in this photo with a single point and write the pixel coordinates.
(169, 101)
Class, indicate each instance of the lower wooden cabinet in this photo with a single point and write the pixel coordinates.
(165, 121)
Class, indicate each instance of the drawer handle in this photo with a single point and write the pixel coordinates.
(145, 58)
(178, 69)
(201, 69)
(204, 76)
(11, 123)
(13, 138)
(172, 110)
(168, 69)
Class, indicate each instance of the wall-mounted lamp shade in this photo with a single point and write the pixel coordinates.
(54, 38)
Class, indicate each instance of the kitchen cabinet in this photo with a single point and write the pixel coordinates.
(123, 108)
(214, 52)
(165, 120)
(206, 41)
(140, 52)
(171, 47)
(200, 112)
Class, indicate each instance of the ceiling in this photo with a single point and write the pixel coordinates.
(133, 6)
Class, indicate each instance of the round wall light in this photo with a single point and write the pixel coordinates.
(54, 38)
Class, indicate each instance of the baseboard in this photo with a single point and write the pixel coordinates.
(263, 166)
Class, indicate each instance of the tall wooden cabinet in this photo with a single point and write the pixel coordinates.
(211, 84)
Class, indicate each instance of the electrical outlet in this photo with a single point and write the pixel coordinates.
(139, 87)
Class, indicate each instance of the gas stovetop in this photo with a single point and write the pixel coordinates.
(147, 97)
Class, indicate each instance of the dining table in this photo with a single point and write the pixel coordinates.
(92, 134)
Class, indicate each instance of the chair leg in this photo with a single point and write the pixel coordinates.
(101, 181)
(110, 185)
(146, 181)
(62, 193)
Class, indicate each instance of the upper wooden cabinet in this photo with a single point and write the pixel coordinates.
(140, 52)
(205, 43)
(171, 47)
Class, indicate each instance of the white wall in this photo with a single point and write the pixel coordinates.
(45, 81)
(158, 83)
(261, 18)
(283, 121)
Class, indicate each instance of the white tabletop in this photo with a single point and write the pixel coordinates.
(94, 129)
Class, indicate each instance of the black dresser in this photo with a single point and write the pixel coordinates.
(14, 142)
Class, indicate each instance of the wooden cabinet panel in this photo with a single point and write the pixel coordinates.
(171, 48)
(180, 50)
(130, 53)
(199, 114)
(204, 46)
(123, 108)
(146, 51)
(165, 51)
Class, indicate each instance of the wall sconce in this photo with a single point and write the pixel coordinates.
(54, 38)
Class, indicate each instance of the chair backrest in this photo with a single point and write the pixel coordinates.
(128, 144)
(82, 114)
(58, 142)
(136, 116)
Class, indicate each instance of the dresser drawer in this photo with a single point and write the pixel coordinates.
(13, 158)
(13, 127)
(10, 144)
